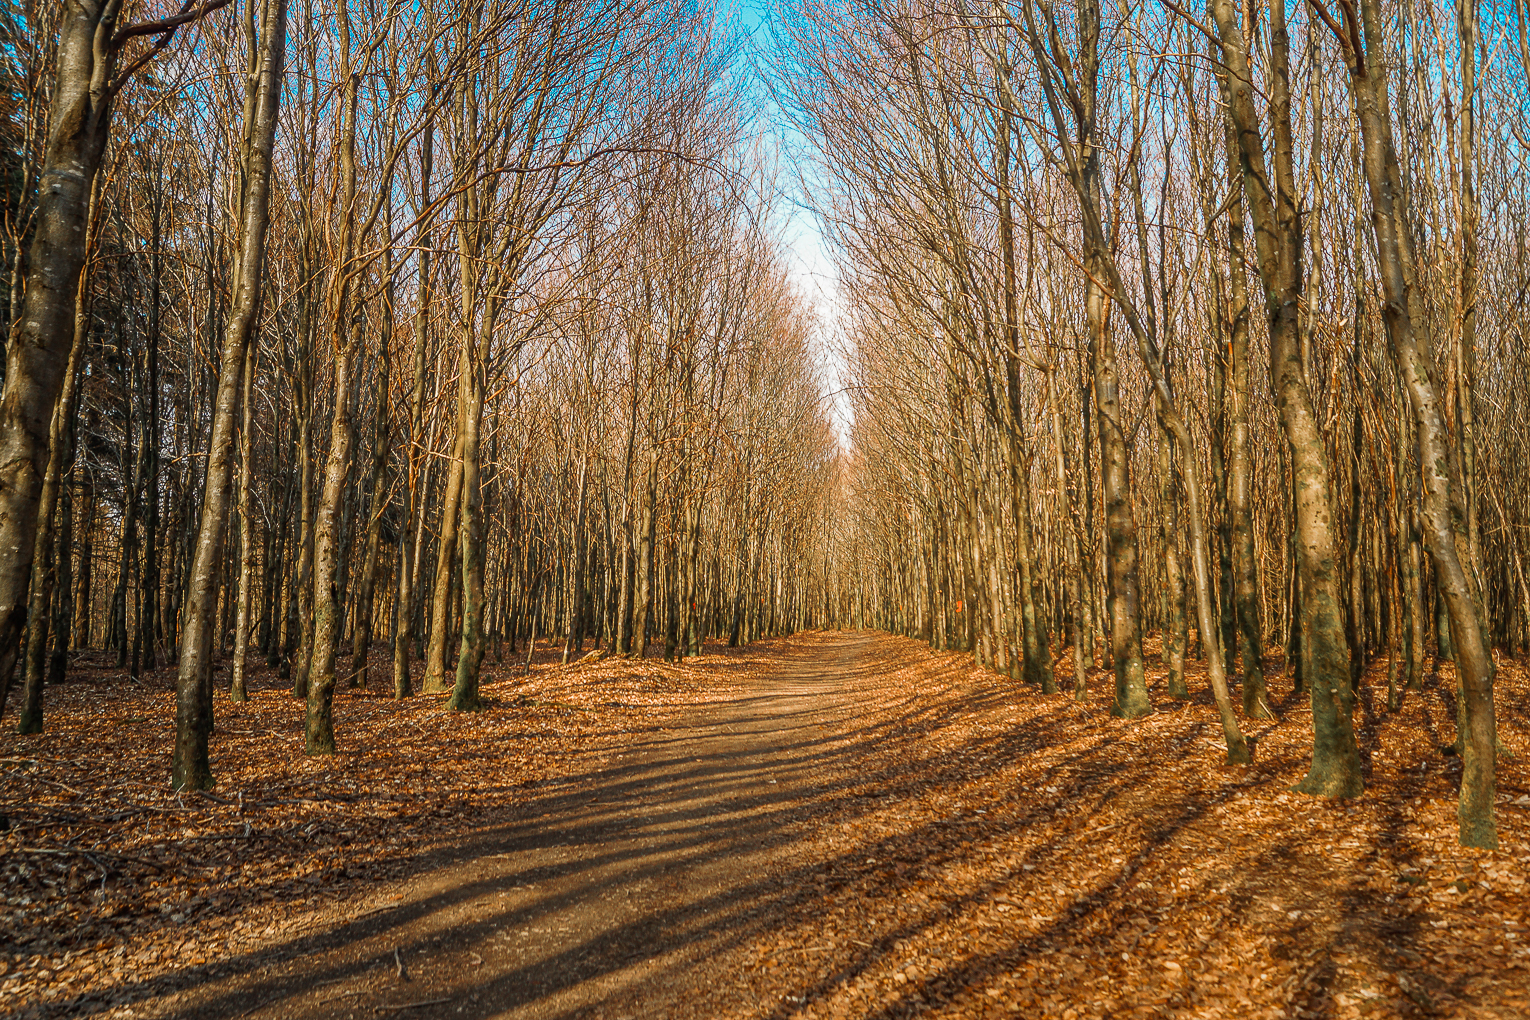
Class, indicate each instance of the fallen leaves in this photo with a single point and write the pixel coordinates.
(113, 888)
(961, 846)
(1009, 854)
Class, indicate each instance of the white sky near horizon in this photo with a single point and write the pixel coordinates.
(809, 263)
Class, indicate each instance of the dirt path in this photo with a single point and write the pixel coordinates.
(852, 826)
(604, 898)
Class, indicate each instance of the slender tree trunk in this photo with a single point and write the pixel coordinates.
(645, 557)
(378, 478)
(470, 657)
(345, 340)
(572, 617)
(435, 681)
(149, 588)
(403, 682)
(300, 605)
(64, 604)
(1072, 548)
(190, 769)
(1176, 624)
(1250, 626)
(44, 567)
(1120, 527)
(237, 688)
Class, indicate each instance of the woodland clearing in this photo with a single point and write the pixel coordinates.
(836, 824)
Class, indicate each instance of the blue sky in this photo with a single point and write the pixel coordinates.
(809, 262)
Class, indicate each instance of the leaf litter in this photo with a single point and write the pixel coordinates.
(991, 852)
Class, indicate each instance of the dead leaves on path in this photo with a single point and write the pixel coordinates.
(995, 853)
(113, 888)
(965, 847)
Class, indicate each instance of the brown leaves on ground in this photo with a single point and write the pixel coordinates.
(1031, 856)
(110, 883)
(969, 847)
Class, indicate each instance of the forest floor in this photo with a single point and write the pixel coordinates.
(835, 825)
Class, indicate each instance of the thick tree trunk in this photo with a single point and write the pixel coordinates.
(37, 352)
(1272, 201)
(1412, 348)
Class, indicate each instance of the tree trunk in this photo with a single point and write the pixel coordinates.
(470, 656)
(237, 689)
(1412, 347)
(435, 681)
(1249, 625)
(44, 567)
(1335, 755)
(361, 627)
(190, 769)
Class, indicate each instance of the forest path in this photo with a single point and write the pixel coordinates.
(614, 887)
(853, 827)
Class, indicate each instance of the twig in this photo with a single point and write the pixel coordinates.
(339, 995)
(1103, 828)
(86, 854)
(257, 1006)
(52, 782)
(415, 1005)
(403, 972)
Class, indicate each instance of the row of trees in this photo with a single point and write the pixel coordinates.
(450, 325)
(461, 325)
(1160, 314)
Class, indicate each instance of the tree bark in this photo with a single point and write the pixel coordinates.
(190, 769)
(1335, 767)
(1411, 342)
(470, 656)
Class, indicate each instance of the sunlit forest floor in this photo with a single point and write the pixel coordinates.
(833, 825)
